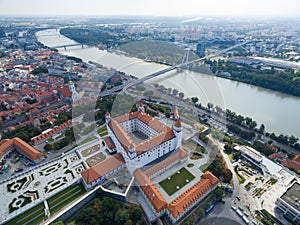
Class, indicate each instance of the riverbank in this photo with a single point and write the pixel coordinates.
(278, 112)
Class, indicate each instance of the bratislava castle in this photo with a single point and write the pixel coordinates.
(158, 139)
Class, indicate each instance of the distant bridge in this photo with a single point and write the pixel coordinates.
(184, 64)
(48, 35)
(69, 45)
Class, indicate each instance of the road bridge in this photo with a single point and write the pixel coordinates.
(69, 45)
(184, 64)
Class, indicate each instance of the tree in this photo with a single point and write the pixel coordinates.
(218, 109)
(58, 223)
(98, 205)
(175, 92)
(210, 105)
(252, 124)
(39, 70)
(137, 213)
(261, 128)
(128, 222)
(201, 212)
(293, 140)
(195, 100)
(122, 216)
(219, 194)
(181, 95)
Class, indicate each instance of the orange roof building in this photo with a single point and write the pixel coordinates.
(20, 145)
(50, 133)
(156, 200)
(96, 174)
(158, 139)
(180, 206)
(5, 146)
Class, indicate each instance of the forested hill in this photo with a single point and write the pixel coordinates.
(158, 51)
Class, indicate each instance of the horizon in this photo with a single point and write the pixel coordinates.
(154, 8)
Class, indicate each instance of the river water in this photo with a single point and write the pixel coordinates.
(279, 112)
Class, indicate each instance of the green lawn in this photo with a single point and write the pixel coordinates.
(103, 134)
(64, 197)
(31, 216)
(102, 129)
(90, 138)
(177, 179)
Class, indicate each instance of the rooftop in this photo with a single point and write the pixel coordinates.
(252, 153)
(165, 133)
(292, 196)
(102, 168)
(30, 152)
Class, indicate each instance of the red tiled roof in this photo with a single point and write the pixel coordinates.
(165, 132)
(177, 123)
(65, 91)
(102, 168)
(297, 158)
(185, 200)
(27, 149)
(276, 156)
(175, 113)
(5, 145)
(22, 146)
(291, 164)
(180, 154)
(51, 132)
(109, 143)
(154, 196)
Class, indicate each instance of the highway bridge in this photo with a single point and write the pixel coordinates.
(182, 65)
(69, 45)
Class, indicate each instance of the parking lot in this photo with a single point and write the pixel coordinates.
(15, 163)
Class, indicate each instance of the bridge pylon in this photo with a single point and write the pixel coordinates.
(185, 58)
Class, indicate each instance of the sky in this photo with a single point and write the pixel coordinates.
(289, 8)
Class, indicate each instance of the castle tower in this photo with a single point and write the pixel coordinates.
(107, 118)
(141, 107)
(177, 129)
(176, 114)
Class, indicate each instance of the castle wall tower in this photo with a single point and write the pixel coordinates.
(107, 118)
(176, 114)
(141, 107)
(177, 129)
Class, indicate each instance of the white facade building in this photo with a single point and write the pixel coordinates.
(157, 138)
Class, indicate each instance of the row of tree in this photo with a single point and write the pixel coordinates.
(68, 139)
(109, 211)
(284, 81)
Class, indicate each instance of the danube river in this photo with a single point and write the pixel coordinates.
(279, 112)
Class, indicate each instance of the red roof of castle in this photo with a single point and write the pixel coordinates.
(154, 196)
(165, 133)
(102, 168)
(185, 200)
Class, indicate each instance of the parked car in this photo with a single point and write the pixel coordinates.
(18, 170)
